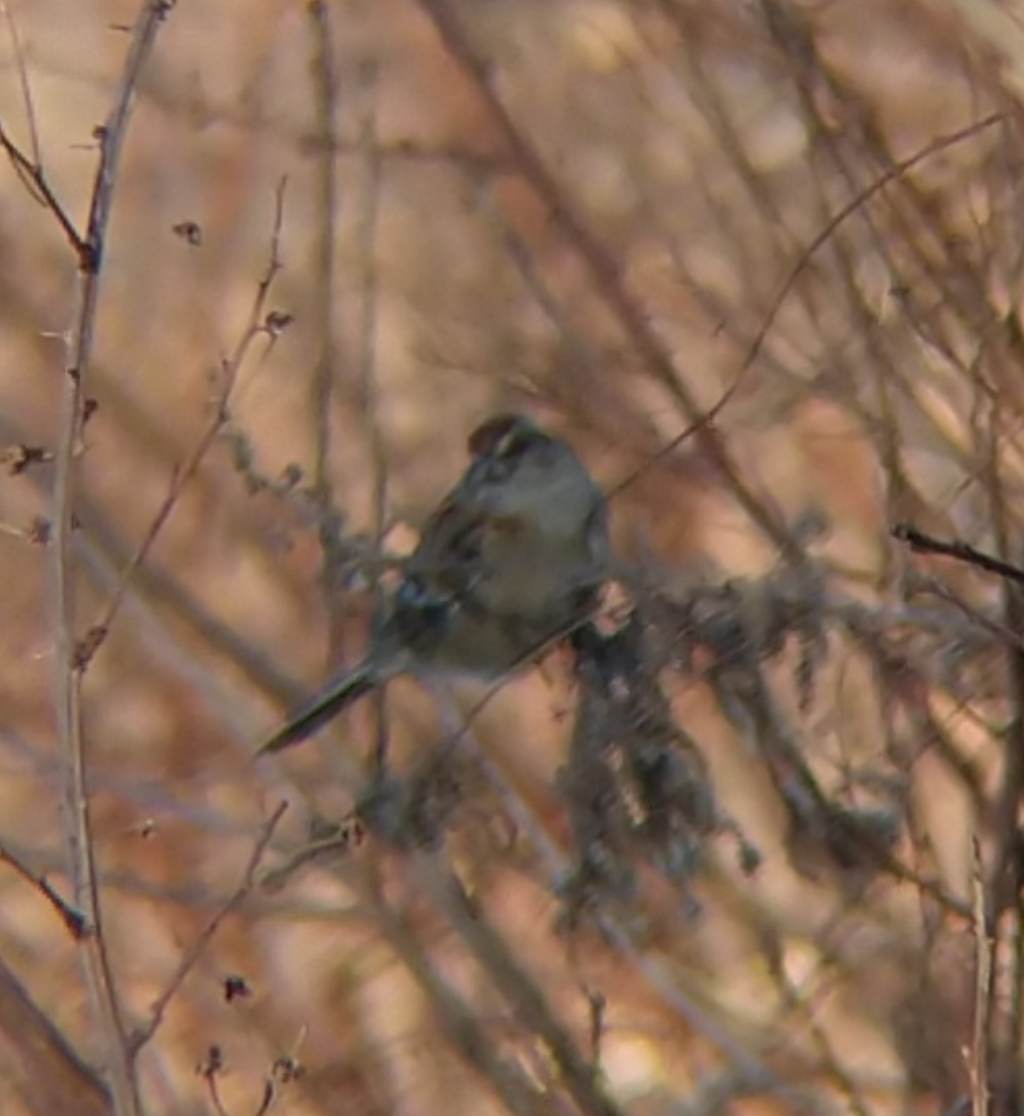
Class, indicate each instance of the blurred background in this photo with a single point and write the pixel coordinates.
(758, 876)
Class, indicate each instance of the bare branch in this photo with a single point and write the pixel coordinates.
(961, 551)
(67, 675)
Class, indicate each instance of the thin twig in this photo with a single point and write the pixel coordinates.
(72, 919)
(345, 836)
(34, 178)
(195, 951)
(26, 87)
(259, 324)
(962, 552)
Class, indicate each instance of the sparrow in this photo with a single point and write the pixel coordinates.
(513, 559)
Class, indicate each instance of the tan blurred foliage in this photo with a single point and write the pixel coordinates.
(585, 209)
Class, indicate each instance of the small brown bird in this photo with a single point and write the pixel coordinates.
(514, 556)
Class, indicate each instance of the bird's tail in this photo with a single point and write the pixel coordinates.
(322, 707)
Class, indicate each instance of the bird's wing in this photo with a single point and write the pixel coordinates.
(446, 563)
